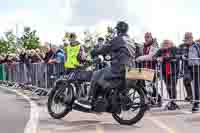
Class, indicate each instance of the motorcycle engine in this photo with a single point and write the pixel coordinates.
(100, 105)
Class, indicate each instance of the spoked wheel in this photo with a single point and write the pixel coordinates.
(132, 108)
(60, 101)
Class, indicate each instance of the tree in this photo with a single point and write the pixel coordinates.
(10, 39)
(29, 39)
(8, 42)
(89, 41)
(110, 33)
(3, 45)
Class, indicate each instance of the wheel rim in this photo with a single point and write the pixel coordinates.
(134, 105)
(60, 99)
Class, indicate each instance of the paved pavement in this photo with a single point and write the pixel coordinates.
(155, 121)
(14, 112)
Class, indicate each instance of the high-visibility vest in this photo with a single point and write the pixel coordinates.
(72, 54)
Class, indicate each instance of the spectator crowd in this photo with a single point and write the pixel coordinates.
(184, 59)
(167, 53)
(43, 55)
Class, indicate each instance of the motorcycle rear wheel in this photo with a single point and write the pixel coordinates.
(141, 106)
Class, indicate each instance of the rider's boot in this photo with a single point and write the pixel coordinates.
(84, 102)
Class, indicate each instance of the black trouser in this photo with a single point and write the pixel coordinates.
(98, 81)
(196, 81)
(171, 82)
(102, 80)
(187, 80)
(187, 83)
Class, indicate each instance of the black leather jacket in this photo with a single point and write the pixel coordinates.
(122, 52)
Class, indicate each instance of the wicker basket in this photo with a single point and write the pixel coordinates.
(140, 74)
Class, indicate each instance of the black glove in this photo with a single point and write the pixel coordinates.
(93, 54)
(97, 60)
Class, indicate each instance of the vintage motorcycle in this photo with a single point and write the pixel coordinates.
(127, 106)
(121, 103)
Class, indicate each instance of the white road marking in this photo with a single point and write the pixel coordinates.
(31, 126)
(99, 129)
(186, 112)
(161, 125)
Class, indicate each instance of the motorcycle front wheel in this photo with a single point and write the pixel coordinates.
(60, 100)
(134, 107)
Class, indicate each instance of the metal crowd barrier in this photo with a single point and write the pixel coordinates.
(176, 80)
(35, 75)
(180, 84)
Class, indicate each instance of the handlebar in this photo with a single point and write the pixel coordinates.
(100, 59)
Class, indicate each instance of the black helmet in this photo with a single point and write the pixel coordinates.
(122, 27)
(100, 39)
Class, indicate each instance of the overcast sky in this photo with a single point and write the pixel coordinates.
(165, 19)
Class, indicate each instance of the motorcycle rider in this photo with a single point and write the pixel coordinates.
(122, 53)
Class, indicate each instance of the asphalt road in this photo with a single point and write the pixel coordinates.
(14, 112)
(155, 121)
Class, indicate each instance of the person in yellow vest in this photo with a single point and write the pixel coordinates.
(74, 53)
